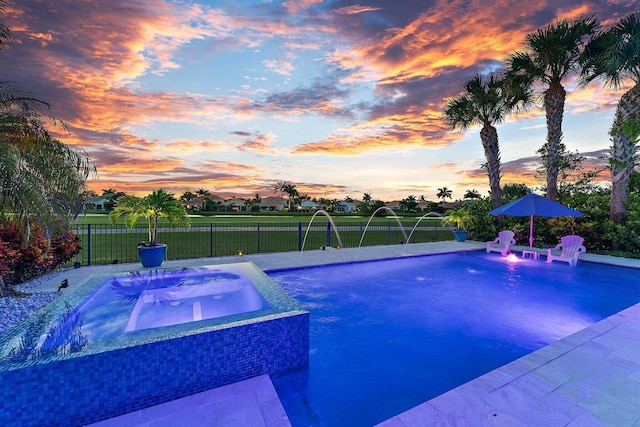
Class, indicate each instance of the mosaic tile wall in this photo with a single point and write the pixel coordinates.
(87, 389)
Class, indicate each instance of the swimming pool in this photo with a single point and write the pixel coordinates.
(389, 335)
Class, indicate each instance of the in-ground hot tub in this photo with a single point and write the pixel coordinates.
(121, 343)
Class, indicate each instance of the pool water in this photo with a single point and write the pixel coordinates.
(389, 335)
(153, 299)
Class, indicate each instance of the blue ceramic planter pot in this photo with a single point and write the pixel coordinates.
(152, 256)
(460, 236)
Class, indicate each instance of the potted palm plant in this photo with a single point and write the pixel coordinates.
(461, 218)
(159, 205)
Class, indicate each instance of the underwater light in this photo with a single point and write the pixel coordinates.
(512, 258)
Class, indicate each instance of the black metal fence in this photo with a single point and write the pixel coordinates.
(107, 244)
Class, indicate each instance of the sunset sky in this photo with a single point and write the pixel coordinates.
(337, 97)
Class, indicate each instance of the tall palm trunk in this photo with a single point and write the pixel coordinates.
(623, 152)
(489, 137)
(554, 98)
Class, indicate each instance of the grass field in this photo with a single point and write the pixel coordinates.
(268, 218)
(223, 235)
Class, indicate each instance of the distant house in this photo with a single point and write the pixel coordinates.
(344, 206)
(235, 204)
(273, 204)
(449, 205)
(394, 205)
(97, 203)
(195, 203)
(309, 206)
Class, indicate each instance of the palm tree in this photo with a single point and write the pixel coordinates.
(472, 194)
(5, 33)
(487, 102)
(613, 56)
(444, 193)
(257, 200)
(291, 192)
(187, 195)
(43, 179)
(203, 192)
(154, 207)
(409, 204)
(552, 53)
(283, 187)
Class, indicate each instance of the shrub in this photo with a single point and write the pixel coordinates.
(19, 264)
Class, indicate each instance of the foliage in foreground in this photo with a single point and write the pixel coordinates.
(18, 264)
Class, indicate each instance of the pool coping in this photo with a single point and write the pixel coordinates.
(589, 378)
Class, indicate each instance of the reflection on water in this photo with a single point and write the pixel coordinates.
(65, 337)
(130, 302)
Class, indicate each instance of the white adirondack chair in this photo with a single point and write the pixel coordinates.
(502, 242)
(568, 250)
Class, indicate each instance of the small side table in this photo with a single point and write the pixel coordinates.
(533, 254)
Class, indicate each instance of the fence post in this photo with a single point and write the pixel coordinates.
(258, 237)
(299, 237)
(328, 234)
(88, 244)
(388, 232)
(210, 240)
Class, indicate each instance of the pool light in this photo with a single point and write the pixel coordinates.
(512, 258)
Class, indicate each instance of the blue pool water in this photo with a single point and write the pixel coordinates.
(389, 335)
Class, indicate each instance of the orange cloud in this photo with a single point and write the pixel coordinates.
(414, 128)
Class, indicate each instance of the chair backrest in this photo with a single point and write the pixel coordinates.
(570, 244)
(505, 236)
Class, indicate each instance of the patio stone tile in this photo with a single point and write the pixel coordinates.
(554, 350)
(534, 360)
(512, 401)
(163, 410)
(553, 374)
(240, 411)
(612, 410)
(586, 420)
(203, 416)
(476, 413)
(496, 378)
(274, 414)
(566, 399)
(516, 369)
(424, 414)
(476, 388)
(534, 385)
(449, 401)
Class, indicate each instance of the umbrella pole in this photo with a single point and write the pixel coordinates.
(531, 233)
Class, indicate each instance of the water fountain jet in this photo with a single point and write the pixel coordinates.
(433, 214)
(374, 214)
(333, 225)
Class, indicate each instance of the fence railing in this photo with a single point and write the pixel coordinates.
(108, 244)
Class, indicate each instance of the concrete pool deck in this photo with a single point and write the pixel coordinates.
(590, 378)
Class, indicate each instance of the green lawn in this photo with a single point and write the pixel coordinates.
(224, 235)
(268, 218)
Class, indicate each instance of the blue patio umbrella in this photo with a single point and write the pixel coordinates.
(531, 205)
